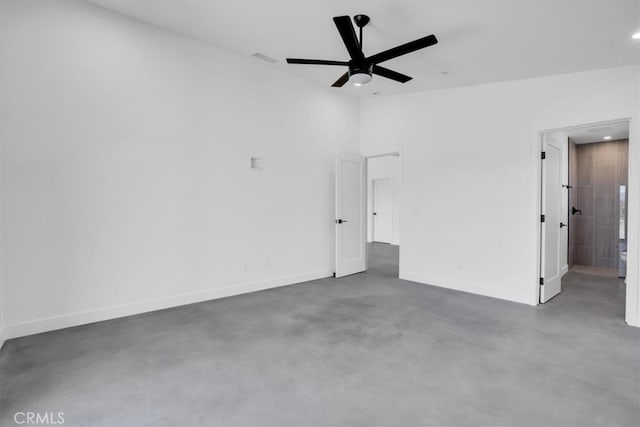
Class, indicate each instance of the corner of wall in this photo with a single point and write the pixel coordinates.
(632, 309)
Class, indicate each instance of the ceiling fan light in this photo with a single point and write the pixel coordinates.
(359, 79)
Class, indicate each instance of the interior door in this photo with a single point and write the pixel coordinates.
(350, 223)
(552, 191)
(382, 210)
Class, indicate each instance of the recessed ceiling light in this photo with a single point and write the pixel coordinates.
(445, 73)
(606, 137)
(636, 36)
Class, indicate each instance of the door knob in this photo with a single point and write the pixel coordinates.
(340, 221)
(562, 225)
(575, 211)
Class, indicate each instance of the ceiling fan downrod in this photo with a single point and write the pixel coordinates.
(361, 21)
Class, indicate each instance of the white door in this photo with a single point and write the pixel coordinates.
(552, 234)
(382, 210)
(350, 215)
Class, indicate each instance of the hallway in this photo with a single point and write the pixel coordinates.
(362, 350)
(591, 297)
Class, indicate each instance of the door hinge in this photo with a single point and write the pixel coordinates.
(541, 218)
(543, 155)
(542, 281)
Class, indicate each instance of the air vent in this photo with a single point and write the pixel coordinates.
(265, 58)
(256, 163)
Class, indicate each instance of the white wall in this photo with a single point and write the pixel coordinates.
(125, 168)
(385, 167)
(471, 172)
(1, 237)
(633, 244)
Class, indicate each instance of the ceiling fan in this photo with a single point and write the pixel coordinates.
(360, 67)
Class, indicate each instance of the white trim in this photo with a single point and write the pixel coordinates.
(31, 327)
(393, 153)
(471, 288)
(632, 303)
(595, 124)
(539, 148)
(1, 338)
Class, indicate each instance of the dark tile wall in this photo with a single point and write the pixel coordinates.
(600, 169)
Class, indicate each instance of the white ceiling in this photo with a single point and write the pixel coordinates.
(480, 41)
(596, 133)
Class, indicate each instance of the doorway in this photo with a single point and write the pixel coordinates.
(367, 214)
(598, 204)
(584, 209)
(384, 180)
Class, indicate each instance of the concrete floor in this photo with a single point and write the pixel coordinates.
(366, 349)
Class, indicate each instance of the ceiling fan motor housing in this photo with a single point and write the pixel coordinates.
(360, 74)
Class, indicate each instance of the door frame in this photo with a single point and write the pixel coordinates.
(632, 308)
(373, 208)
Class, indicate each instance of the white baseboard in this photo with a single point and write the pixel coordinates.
(37, 326)
(458, 286)
(1, 338)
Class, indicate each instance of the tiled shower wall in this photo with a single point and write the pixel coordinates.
(601, 169)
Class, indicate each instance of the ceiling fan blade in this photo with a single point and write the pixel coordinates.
(348, 34)
(390, 74)
(403, 49)
(342, 80)
(315, 61)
